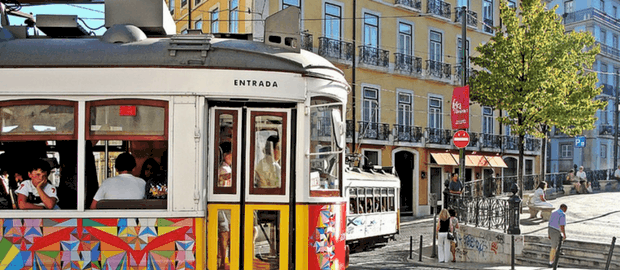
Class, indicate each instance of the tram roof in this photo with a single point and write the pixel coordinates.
(163, 52)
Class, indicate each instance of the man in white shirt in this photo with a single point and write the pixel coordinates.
(124, 186)
(581, 176)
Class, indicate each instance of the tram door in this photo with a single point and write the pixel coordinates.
(249, 187)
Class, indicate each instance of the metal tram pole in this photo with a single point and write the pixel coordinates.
(464, 81)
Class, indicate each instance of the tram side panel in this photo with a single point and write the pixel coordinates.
(321, 235)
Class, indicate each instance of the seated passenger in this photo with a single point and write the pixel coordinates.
(267, 171)
(156, 183)
(125, 186)
(37, 193)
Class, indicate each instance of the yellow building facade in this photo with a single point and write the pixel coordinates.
(402, 59)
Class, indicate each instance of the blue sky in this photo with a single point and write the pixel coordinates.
(92, 14)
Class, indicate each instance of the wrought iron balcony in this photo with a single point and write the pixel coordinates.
(374, 131)
(350, 129)
(438, 136)
(306, 41)
(606, 130)
(440, 8)
(374, 56)
(438, 69)
(473, 139)
(609, 51)
(335, 48)
(488, 25)
(491, 141)
(417, 4)
(532, 144)
(407, 63)
(472, 17)
(588, 14)
(458, 73)
(405, 133)
(510, 143)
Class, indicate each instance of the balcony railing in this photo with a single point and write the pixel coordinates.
(438, 69)
(439, 8)
(491, 141)
(374, 56)
(335, 48)
(588, 14)
(438, 136)
(417, 4)
(458, 73)
(473, 139)
(510, 143)
(472, 17)
(374, 131)
(488, 25)
(490, 213)
(407, 63)
(606, 130)
(306, 41)
(350, 129)
(532, 144)
(609, 51)
(405, 133)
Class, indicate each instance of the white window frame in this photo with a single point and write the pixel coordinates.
(492, 14)
(399, 46)
(377, 116)
(377, 26)
(233, 16)
(603, 151)
(441, 43)
(199, 21)
(458, 50)
(566, 150)
(604, 69)
(603, 36)
(569, 6)
(411, 109)
(214, 11)
(430, 98)
(488, 125)
(378, 152)
(325, 21)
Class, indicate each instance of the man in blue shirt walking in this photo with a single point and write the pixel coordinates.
(557, 222)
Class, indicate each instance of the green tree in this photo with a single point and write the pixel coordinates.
(536, 73)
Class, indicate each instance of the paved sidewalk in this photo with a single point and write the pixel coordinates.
(590, 218)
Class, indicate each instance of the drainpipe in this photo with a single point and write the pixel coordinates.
(189, 14)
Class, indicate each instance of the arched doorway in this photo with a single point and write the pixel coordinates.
(404, 163)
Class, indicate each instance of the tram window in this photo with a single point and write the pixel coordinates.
(326, 154)
(223, 239)
(377, 199)
(384, 202)
(269, 153)
(138, 127)
(353, 201)
(361, 201)
(226, 147)
(391, 197)
(369, 201)
(38, 129)
(267, 239)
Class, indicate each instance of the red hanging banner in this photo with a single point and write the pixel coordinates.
(460, 108)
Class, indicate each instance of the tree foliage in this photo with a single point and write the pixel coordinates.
(536, 73)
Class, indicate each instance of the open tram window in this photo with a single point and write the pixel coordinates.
(384, 200)
(326, 146)
(353, 209)
(225, 168)
(369, 201)
(139, 128)
(361, 201)
(391, 198)
(42, 132)
(266, 239)
(268, 164)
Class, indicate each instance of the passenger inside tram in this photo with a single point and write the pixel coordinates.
(225, 169)
(125, 186)
(37, 192)
(268, 170)
(156, 184)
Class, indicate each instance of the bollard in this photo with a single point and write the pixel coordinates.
(420, 259)
(434, 254)
(410, 247)
(557, 255)
(512, 252)
(611, 252)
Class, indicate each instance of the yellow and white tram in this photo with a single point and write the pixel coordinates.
(249, 137)
(373, 216)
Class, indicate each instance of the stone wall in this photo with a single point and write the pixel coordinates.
(485, 246)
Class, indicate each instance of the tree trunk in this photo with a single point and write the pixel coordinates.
(543, 165)
(520, 165)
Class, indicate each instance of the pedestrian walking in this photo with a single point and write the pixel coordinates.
(454, 226)
(443, 228)
(557, 233)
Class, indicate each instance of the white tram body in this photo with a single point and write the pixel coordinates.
(373, 209)
(179, 99)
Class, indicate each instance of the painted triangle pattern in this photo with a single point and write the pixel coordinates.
(97, 244)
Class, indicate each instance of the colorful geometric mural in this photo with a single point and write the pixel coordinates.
(118, 244)
(327, 237)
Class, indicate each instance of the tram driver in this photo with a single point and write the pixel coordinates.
(124, 186)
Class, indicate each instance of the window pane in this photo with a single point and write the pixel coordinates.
(267, 237)
(223, 239)
(226, 147)
(37, 120)
(269, 148)
(324, 168)
(124, 120)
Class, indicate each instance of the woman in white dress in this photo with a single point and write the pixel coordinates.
(539, 195)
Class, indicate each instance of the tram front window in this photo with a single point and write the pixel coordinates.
(268, 162)
(326, 144)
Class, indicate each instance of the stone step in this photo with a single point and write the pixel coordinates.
(568, 260)
(520, 261)
(590, 246)
(573, 251)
